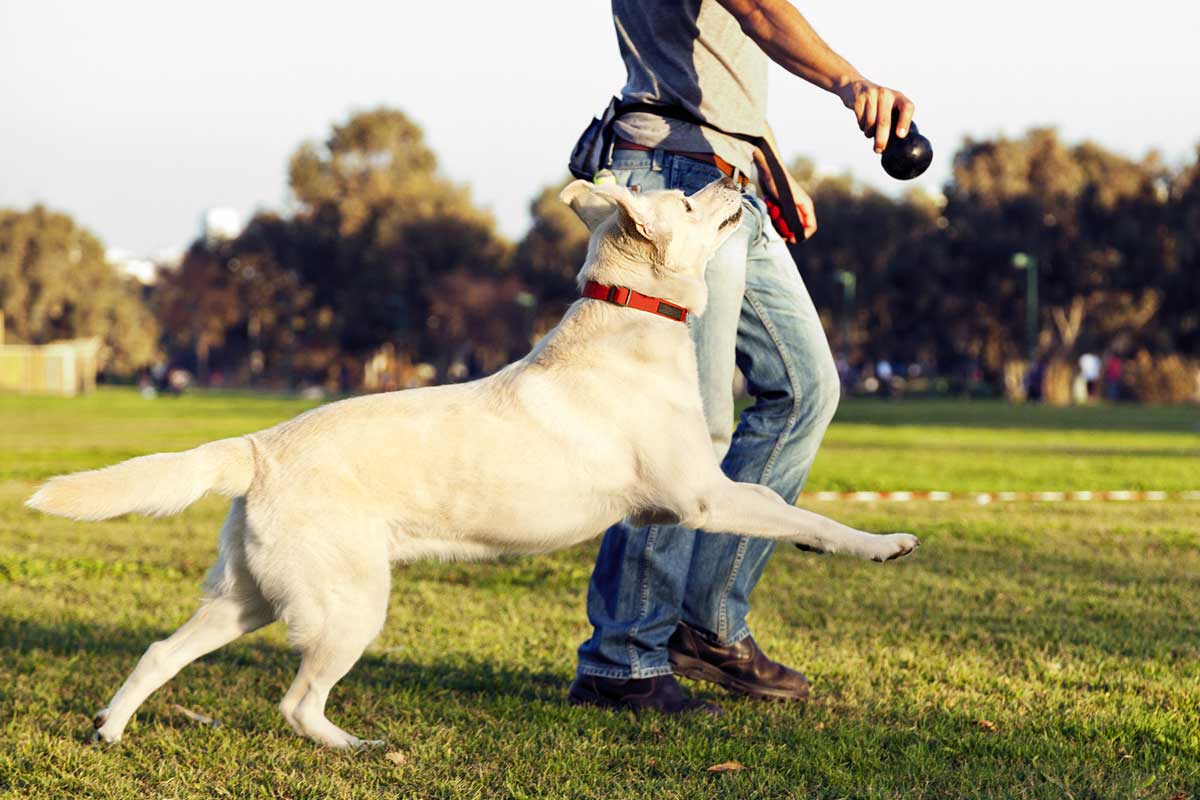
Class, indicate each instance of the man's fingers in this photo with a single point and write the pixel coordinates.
(808, 216)
(875, 106)
(907, 109)
(810, 222)
(883, 123)
(869, 119)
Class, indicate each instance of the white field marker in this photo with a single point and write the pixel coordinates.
(984, 498)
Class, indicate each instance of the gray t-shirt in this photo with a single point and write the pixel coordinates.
(693, 54)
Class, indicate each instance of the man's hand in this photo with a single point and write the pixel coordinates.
(804, 203)
(873, 104)
(786, 37)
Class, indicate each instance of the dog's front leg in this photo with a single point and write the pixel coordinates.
(748, 509)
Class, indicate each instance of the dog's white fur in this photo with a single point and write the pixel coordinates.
(601, 421)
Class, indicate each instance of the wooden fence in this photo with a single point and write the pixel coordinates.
(65, 368)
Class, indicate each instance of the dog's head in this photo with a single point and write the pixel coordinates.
(657, 243)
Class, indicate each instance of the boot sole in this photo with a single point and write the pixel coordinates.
(698, 670)
(590, 700)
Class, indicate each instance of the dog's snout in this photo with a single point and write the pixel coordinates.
(727, 183)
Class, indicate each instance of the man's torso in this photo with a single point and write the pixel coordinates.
(691, 54)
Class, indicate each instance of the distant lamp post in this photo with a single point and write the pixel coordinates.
(1030, 265)
(528, 303)
(849, 284)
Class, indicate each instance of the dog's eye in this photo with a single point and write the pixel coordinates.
(687, 205)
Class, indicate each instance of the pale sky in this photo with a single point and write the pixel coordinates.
(135, 116)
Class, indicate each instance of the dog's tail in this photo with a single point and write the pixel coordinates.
(157, 485)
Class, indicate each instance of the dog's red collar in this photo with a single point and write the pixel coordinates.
(624, 296)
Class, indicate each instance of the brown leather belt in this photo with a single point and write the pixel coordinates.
(711, 159)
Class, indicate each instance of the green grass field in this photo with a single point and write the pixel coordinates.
(1027, 650)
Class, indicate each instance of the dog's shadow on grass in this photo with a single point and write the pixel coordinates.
(471, 678)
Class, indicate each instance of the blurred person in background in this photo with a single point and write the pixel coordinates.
(1113, 371)
(1089, 369)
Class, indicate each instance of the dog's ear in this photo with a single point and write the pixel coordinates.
(594, 204)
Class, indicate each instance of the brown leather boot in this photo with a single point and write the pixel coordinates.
(741, 668)
(662, 694)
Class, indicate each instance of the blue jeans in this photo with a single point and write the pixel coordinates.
(759, 317)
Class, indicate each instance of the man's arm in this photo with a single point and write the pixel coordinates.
(786, 37)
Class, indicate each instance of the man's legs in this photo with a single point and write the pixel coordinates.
(647, 579)
(790, 372)
(638, 583)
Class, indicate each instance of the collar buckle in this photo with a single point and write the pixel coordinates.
(614, 291)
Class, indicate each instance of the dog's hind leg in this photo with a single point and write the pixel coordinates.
(332, 630)
(234, 607)
(748, 509)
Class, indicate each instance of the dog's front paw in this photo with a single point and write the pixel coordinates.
(99, 735)
(895, 545)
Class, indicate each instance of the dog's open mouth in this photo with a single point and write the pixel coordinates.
(732, 219)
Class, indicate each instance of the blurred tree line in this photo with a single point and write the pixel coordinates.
(56, 284)
(1117, 248)
(385, 273)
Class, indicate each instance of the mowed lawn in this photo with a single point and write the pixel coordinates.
(1027, 650)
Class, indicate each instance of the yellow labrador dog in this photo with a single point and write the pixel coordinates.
(601, 421)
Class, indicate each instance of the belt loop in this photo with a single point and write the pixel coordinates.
(656, 159)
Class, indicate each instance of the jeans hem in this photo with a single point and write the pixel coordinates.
(623, 674)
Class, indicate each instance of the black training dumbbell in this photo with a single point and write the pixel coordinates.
(905, 159)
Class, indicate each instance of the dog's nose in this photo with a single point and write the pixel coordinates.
(728, 183)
